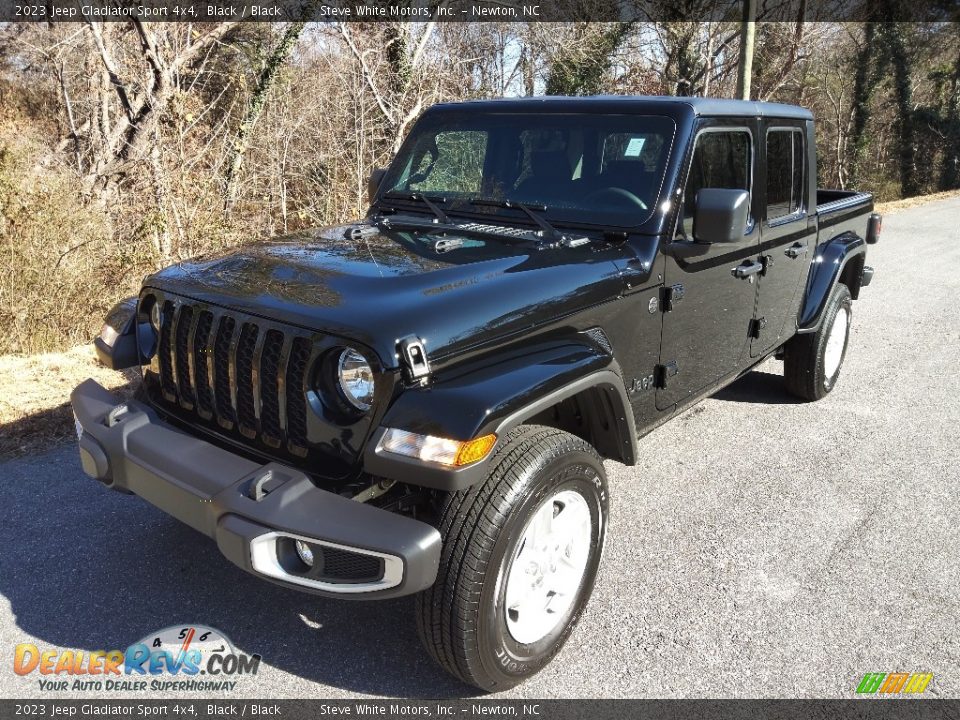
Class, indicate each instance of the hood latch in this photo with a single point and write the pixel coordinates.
(413, 356)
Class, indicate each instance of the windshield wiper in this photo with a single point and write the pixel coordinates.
(418, 197)
(549, 235)
(548, 231)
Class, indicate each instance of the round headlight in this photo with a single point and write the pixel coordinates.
(356, 379)
(155, 316)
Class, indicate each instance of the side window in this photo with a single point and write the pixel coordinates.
(720, 160)
(785, 165)
(454, 163)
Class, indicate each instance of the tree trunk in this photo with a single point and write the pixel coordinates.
(687, 61)
(394, 103)
(747, 34)
(133, 128)
(902, 73)
(161, 228)
(708, 64)
(865, 82)
(268, 75)
(950, 177)
(579, 67)
(527, 66)
(398, 58)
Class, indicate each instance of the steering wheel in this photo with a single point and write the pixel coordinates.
(618, 194)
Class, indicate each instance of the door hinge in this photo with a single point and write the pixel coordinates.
(671, 296)
(663, 372)
(756, 327)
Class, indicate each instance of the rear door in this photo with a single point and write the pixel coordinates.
(788, 232)
(705, 334)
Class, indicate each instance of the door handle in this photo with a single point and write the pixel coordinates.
(795, 250)
(747, 270)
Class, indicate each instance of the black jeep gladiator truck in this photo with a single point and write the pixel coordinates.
(421, 402)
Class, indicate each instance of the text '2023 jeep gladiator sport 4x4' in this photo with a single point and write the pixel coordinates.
(422, 401)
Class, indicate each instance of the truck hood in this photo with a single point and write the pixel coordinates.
(391, 284)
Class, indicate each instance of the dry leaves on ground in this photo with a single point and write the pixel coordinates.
(907, 203)
(35, 395)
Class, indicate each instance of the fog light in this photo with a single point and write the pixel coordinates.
(305, 553)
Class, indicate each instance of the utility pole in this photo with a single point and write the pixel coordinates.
(747, 30)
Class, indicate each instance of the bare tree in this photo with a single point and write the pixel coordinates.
(124, 146)
(141, 103)
(579, 65)
(390, 68)
(269, 73)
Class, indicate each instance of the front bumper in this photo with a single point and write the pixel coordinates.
(128, 448)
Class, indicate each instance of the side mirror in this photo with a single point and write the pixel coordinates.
(720, 215)
(373, 183)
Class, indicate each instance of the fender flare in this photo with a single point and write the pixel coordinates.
(496, 398)
(831, 260)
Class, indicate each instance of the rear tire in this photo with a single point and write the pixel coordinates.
(812, 361)
(487, 620)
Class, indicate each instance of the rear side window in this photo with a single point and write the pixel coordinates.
(785, 168)
(721, 159)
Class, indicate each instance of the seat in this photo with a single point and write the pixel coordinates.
(549, 176)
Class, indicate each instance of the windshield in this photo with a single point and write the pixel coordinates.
(584, 168)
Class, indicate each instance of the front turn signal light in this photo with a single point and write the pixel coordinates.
(454, 453)
(474, 450)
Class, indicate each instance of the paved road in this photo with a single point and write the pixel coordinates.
(761, 547)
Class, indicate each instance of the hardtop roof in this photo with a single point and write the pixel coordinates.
(651, 104)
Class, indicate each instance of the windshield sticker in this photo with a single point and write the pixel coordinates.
(634, 147)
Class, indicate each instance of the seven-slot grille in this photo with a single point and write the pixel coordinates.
(245, 374)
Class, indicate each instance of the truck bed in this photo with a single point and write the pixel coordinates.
(832, 201)
(840, 211)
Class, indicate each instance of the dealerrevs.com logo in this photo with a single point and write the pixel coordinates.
(180, 657)
(894, 683)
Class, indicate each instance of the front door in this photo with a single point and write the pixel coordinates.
(788, 232)
(705, 334)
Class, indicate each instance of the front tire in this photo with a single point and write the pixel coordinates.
(812, 361)
(520, 557)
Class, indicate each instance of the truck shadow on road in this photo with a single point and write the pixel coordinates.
(758, 387)
(98, 570)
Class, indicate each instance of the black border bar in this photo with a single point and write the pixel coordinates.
(874, 708)
(474, 10)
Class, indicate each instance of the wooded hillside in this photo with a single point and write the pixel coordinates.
(125, 146)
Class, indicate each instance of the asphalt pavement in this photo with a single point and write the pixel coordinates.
(761, 548)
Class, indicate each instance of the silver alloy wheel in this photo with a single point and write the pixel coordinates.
(836, 342)
(548, 566)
